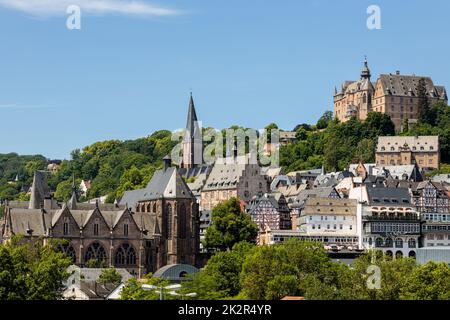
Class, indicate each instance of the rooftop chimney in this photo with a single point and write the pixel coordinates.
(397, 72)
(167, 162)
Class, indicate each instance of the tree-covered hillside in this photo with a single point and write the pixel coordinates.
(113, 166)
(116, 166)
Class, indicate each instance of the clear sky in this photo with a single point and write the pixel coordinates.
(129, 70)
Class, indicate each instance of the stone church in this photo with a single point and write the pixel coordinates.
(148, 229)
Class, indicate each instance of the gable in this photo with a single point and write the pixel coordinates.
(95, 217)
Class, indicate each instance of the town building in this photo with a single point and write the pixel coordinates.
(390, 222)
(432, 202)
(401, 150)
(235, 176)
(397, 95)
(331, 221)
(270, 210)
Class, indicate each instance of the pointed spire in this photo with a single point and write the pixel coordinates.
(39, 190)
(365, 73)
(192, 117)
(335, 90)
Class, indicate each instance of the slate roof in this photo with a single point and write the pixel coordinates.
(303, 196)
(226, 173)
(36, 222)
(407, 85)
(414, 143)
(165, 183)
(389, 197)
(39, 190)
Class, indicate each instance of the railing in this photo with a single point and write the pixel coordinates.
(388, 218)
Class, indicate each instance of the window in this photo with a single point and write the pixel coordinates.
(341, 226)
(168, 221)
(66, 226)
(96, 227)
(95, 252)
(351, 227)
(125, 255)
(182, 221)
(125, 229)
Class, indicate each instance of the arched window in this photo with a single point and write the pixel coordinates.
(95, 252)
(154, 207)
(398, 254)
(125, 255)
(398, 243)
(168, 220)
(412, 243)
(378, 242)
(182, 222)
(69, 251)
(148, 207)
(412, 254)
(388, 242)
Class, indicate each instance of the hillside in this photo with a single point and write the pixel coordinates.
(116, 166)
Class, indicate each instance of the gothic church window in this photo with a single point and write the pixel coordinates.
(182, 222)
(125, 255)
(95, 252)
(168, 220)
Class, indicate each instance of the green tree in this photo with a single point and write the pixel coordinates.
(220, 278)
(32, 271)
(405, 125)
(430, 281)
(426, 114)
(229, 226)
(110, 275)
(324, 120)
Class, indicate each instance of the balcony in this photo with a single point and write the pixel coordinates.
(392, 218)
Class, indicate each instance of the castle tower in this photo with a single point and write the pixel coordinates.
(192, 144)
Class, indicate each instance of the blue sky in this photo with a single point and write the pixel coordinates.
(125, 74)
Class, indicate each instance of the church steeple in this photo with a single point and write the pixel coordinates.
(191, 118)
(192, 142)
(365, 73)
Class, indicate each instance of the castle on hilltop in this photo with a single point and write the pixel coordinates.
(393, 94)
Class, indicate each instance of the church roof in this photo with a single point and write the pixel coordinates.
(165, 183)
(39, 190)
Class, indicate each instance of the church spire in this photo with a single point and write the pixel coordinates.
(192, 142)
(365, 73)
(192, 118)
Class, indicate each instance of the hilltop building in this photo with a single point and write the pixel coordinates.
(392, 94)
(421, 150)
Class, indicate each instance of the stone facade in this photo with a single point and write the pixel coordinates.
(233, 177)
(392, 94)
(422, 150)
